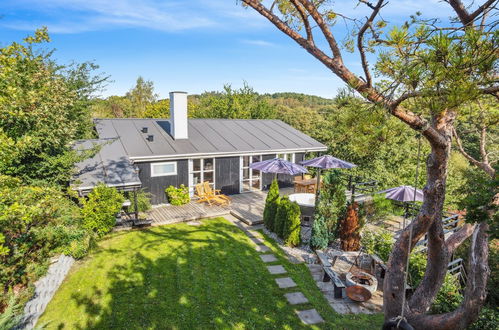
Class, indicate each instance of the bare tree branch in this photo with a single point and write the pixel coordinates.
(306, 23)
(360, 40)
(464, 16)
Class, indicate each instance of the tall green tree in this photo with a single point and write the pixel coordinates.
(141, 95)
(427, 65)
(43, 108)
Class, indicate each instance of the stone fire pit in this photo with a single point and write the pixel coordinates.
(362, 279)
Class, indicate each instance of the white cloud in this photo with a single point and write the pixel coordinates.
(261, 43)
(72, 16)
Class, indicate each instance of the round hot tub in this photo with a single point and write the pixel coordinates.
(307, 206)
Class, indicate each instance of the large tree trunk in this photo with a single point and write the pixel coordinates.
(440, 251)
(428, 220)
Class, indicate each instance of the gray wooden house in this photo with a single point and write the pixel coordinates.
(156, 153)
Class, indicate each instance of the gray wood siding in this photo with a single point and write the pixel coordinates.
(227, 175)
(157, 185)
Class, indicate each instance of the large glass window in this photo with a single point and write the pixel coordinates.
(203, 170)
(163, 169)
(250, 179)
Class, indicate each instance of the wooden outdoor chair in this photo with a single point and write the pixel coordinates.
(215, 193)
(203, 196)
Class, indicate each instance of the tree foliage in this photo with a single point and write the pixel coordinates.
(292, 226)
(271, 205)
(282, 216)
(100, 208)
(43, 108)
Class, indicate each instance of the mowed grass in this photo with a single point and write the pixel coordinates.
(186, 277)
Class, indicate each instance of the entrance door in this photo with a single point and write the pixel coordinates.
(251, 180)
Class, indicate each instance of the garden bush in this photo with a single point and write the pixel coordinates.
(330, 207)
(488, 319)
(100, 208)
(271, 205)
(143, 201)
(178, 196)
(281, 216)
(379, 243)
(292, 226)
(35, 224)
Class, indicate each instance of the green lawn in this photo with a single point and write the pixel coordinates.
(185, 277)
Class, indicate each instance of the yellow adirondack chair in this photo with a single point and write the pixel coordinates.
(203, 196)
(215, 193)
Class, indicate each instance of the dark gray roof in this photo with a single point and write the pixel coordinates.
(206, 137)
(110, 165)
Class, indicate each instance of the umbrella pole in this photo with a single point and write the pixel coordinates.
(318, 183)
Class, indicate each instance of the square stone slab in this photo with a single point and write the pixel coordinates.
(278, 269)
(262, 248)
(256, 240)
(285, 282)
(310, 316)
(268, 257)
(296, 298)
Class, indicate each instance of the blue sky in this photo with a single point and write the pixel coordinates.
(195, 45)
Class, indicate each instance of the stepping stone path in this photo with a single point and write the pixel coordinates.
(268, 257)
(309, 316)
(285, 282)
(278, 269)
(262, 248)
(296, 298)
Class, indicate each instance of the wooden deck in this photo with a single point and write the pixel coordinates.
(247, 207)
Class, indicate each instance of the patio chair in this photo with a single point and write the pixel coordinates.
(203, 196)
(215, 193)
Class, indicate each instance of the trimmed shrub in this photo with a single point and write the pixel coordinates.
(292, 228)
(100, 209)
(281, 216)
(330, 207)
(320, 234)
(178, 196)
(271, 205)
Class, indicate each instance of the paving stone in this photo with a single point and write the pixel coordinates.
(340, 307)
(310, 316)
(194, 223)
(268, 257)
(262, 248)
(277, 269)
(285, 282)
(295, 298)
(325, 286)
(256, 240)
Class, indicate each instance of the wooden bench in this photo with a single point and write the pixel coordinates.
(323, 258)
(330, 274)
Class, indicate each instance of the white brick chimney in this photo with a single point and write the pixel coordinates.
(178, 115)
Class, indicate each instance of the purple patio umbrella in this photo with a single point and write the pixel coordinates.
(404, 194)
(325, 162)
(278, 165)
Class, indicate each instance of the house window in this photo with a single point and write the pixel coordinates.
(250, 179)
(203, 169)
(290, 157)
(163, 169)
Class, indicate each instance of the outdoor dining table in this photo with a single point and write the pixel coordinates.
(305, 186)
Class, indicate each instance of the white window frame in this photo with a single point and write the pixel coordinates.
(163, 174)
(286, 154)
(191, 172)
(241, 169)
